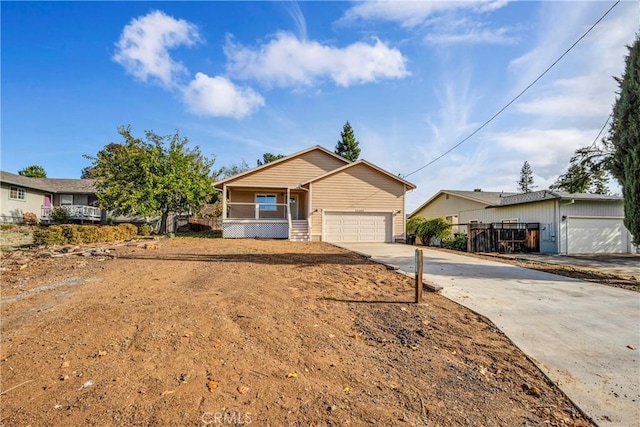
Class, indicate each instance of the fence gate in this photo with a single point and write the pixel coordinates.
(504, 237)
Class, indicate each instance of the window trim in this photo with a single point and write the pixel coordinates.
(266, 206)
(18, 191)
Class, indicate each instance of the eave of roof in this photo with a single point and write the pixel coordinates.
(51, 185)
(407, 184)
(219, 184)
(463, 194)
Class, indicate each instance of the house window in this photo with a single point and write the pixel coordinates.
(267, 202)
(66, 199)
(17, 193)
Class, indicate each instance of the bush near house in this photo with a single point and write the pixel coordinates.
(29, 218)
(77, 234)
(427, 229)
(457, 243)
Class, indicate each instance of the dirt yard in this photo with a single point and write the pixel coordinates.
(191, 331)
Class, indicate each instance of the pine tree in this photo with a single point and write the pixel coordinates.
(624, 140)
(525, 183)
(347, 147)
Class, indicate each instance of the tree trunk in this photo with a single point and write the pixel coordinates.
(163, 223)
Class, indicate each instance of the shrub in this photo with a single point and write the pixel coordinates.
(428, 229)
(457, 243)
(60, 215)
(29, 218)
(6, 226)
(68, 233)
(71, 233)
(144, 230)
(49, 236)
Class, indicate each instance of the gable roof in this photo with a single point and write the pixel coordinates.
(407, 184)
(488, 198)
(544, 195)
(277, 162)
(51, 185)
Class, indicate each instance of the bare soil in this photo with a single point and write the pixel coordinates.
(191, 331)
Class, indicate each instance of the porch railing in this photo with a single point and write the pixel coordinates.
(237, 210)
(77, 212)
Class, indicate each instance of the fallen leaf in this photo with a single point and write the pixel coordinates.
(292, 375)
(217, 345)
(631, 347)
(164, 393)
(102, 353)
(357, 336)
(211, 385)
(243, 389)
(346, 390)
(23, 266)
(403, 308)
(65, 364)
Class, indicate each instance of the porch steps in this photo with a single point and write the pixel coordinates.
(299, 231)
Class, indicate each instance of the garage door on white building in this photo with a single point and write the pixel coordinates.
(596, 235)
(357, 227)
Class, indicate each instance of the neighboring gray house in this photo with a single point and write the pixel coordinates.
(20, 194)
(569, 223)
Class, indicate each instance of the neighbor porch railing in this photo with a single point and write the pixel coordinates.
(237, 210)
(77, 212)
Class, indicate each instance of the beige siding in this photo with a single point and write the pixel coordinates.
(359, 188)
(453, 206)
(292, 172)
(12, 210)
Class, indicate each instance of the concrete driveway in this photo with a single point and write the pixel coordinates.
(584, 336)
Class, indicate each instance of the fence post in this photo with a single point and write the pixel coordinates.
(418, 271)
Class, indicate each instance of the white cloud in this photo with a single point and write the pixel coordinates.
(547, 150)
(298, 18)
(289, 61)
(414, 13)
(473, 35)
(143, 48)
(218, 96)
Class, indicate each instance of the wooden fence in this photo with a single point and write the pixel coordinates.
(504, 237)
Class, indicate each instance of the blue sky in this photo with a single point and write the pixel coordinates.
(243, 78)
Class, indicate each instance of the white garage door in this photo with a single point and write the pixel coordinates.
(357, 227)
(596, 235)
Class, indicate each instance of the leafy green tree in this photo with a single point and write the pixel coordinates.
(347, 147)
(525, 183)
(33, 171)
(268, 158)
(87, 173)
(428, 229)
(624, 140)
(152, 177)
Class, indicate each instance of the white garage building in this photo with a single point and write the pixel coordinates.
(569, 223)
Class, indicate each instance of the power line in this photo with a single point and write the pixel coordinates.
(517, 96)
(601, 130)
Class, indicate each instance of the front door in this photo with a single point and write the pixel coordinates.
(293, 206)
(47, 200)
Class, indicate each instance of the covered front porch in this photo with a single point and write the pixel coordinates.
(265, 212)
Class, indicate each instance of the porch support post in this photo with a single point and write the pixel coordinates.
(224, 201)
(288, 202)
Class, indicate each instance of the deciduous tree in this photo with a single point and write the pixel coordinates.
(33, 171)
(152, 177)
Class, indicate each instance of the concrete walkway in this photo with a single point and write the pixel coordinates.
(584, 336)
